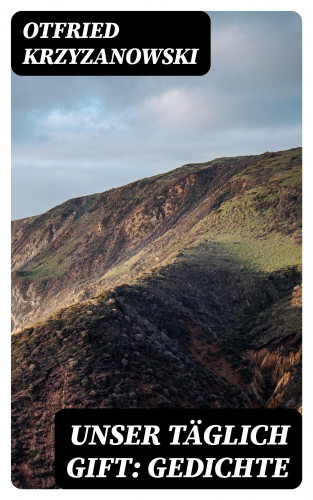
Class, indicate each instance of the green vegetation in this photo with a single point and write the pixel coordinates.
(52, 264)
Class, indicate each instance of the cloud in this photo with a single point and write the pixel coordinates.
(178, 108)
(78, 135)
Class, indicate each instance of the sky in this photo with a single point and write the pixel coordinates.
(73, 136)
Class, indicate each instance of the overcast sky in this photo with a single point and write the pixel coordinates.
(73, 136)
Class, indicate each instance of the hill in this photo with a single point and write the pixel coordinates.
(183, 289)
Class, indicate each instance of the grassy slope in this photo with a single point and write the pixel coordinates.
(259, 228)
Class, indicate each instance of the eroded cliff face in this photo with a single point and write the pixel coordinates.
(76, 249)
(65, 255)
(279, 359)
(183, 290)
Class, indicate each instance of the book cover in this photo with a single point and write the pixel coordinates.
(156, 249)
